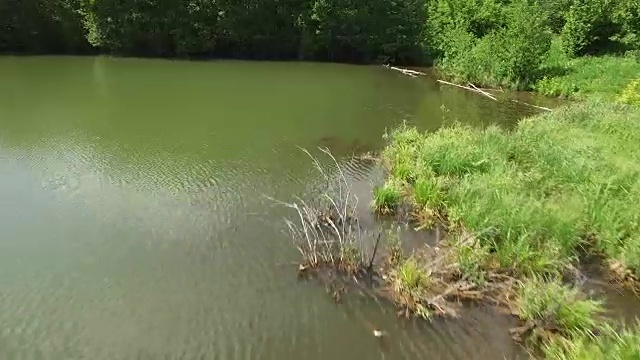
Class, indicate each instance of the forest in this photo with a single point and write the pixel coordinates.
(498, 42)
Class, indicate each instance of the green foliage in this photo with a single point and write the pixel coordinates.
(472, 259)
(609, 345)
(631, 94)
(627, 15)
(535, 194)
(351, 29)
(412, 279)
(507, 51)
(387, 197)
(597, 26)
(410, 282)
(428, 192)
(486, 42)
(553, 303)
(583, 77)
(41, 26)
(448, 20)
(344, 30)
(555, 12)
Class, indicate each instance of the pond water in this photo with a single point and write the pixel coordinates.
(135, 223)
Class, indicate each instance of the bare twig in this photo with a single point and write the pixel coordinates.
(483, 92)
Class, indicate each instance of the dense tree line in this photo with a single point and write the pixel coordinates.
(506, 38)
(337, 30)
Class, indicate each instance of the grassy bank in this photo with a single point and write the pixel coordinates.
(536, 200)
(559, 184)
(609, 345)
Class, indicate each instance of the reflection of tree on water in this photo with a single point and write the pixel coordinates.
(100, 77)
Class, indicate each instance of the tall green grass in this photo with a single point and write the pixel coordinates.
(559, 183)
(624, 345)
(554, 305)
(386, 198)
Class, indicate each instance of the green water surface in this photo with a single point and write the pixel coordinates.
(135, 219)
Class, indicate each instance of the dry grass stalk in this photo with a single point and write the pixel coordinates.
(327, 232)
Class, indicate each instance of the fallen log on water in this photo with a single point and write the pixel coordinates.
(472, 89)
(408, 72)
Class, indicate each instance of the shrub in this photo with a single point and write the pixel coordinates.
(450, 19)
(589, 27)
(627, 15)
(507, 56)
(556, 11)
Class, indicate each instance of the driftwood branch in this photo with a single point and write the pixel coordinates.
(408, 72)
(483, 92)
(534, 106)
(472, 89)
(476, 89)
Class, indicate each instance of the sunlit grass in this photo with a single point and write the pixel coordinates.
(631, 93)
(599, 76)
(624, 345)
(557, 307)
(386, 198)
(558, 184)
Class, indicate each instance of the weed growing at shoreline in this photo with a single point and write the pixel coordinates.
(548, 307)
(534, 201)
(325, 231)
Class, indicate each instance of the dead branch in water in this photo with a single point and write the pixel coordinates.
(472, 89)
(373, 255)
(408, 72)
(534, 106)
(484, 92)
(326, 230)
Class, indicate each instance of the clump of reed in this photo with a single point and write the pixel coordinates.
(550, 309)
(326, 229)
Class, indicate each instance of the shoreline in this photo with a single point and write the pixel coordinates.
(519, 250)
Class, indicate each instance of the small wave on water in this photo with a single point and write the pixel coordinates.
(142, 222)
